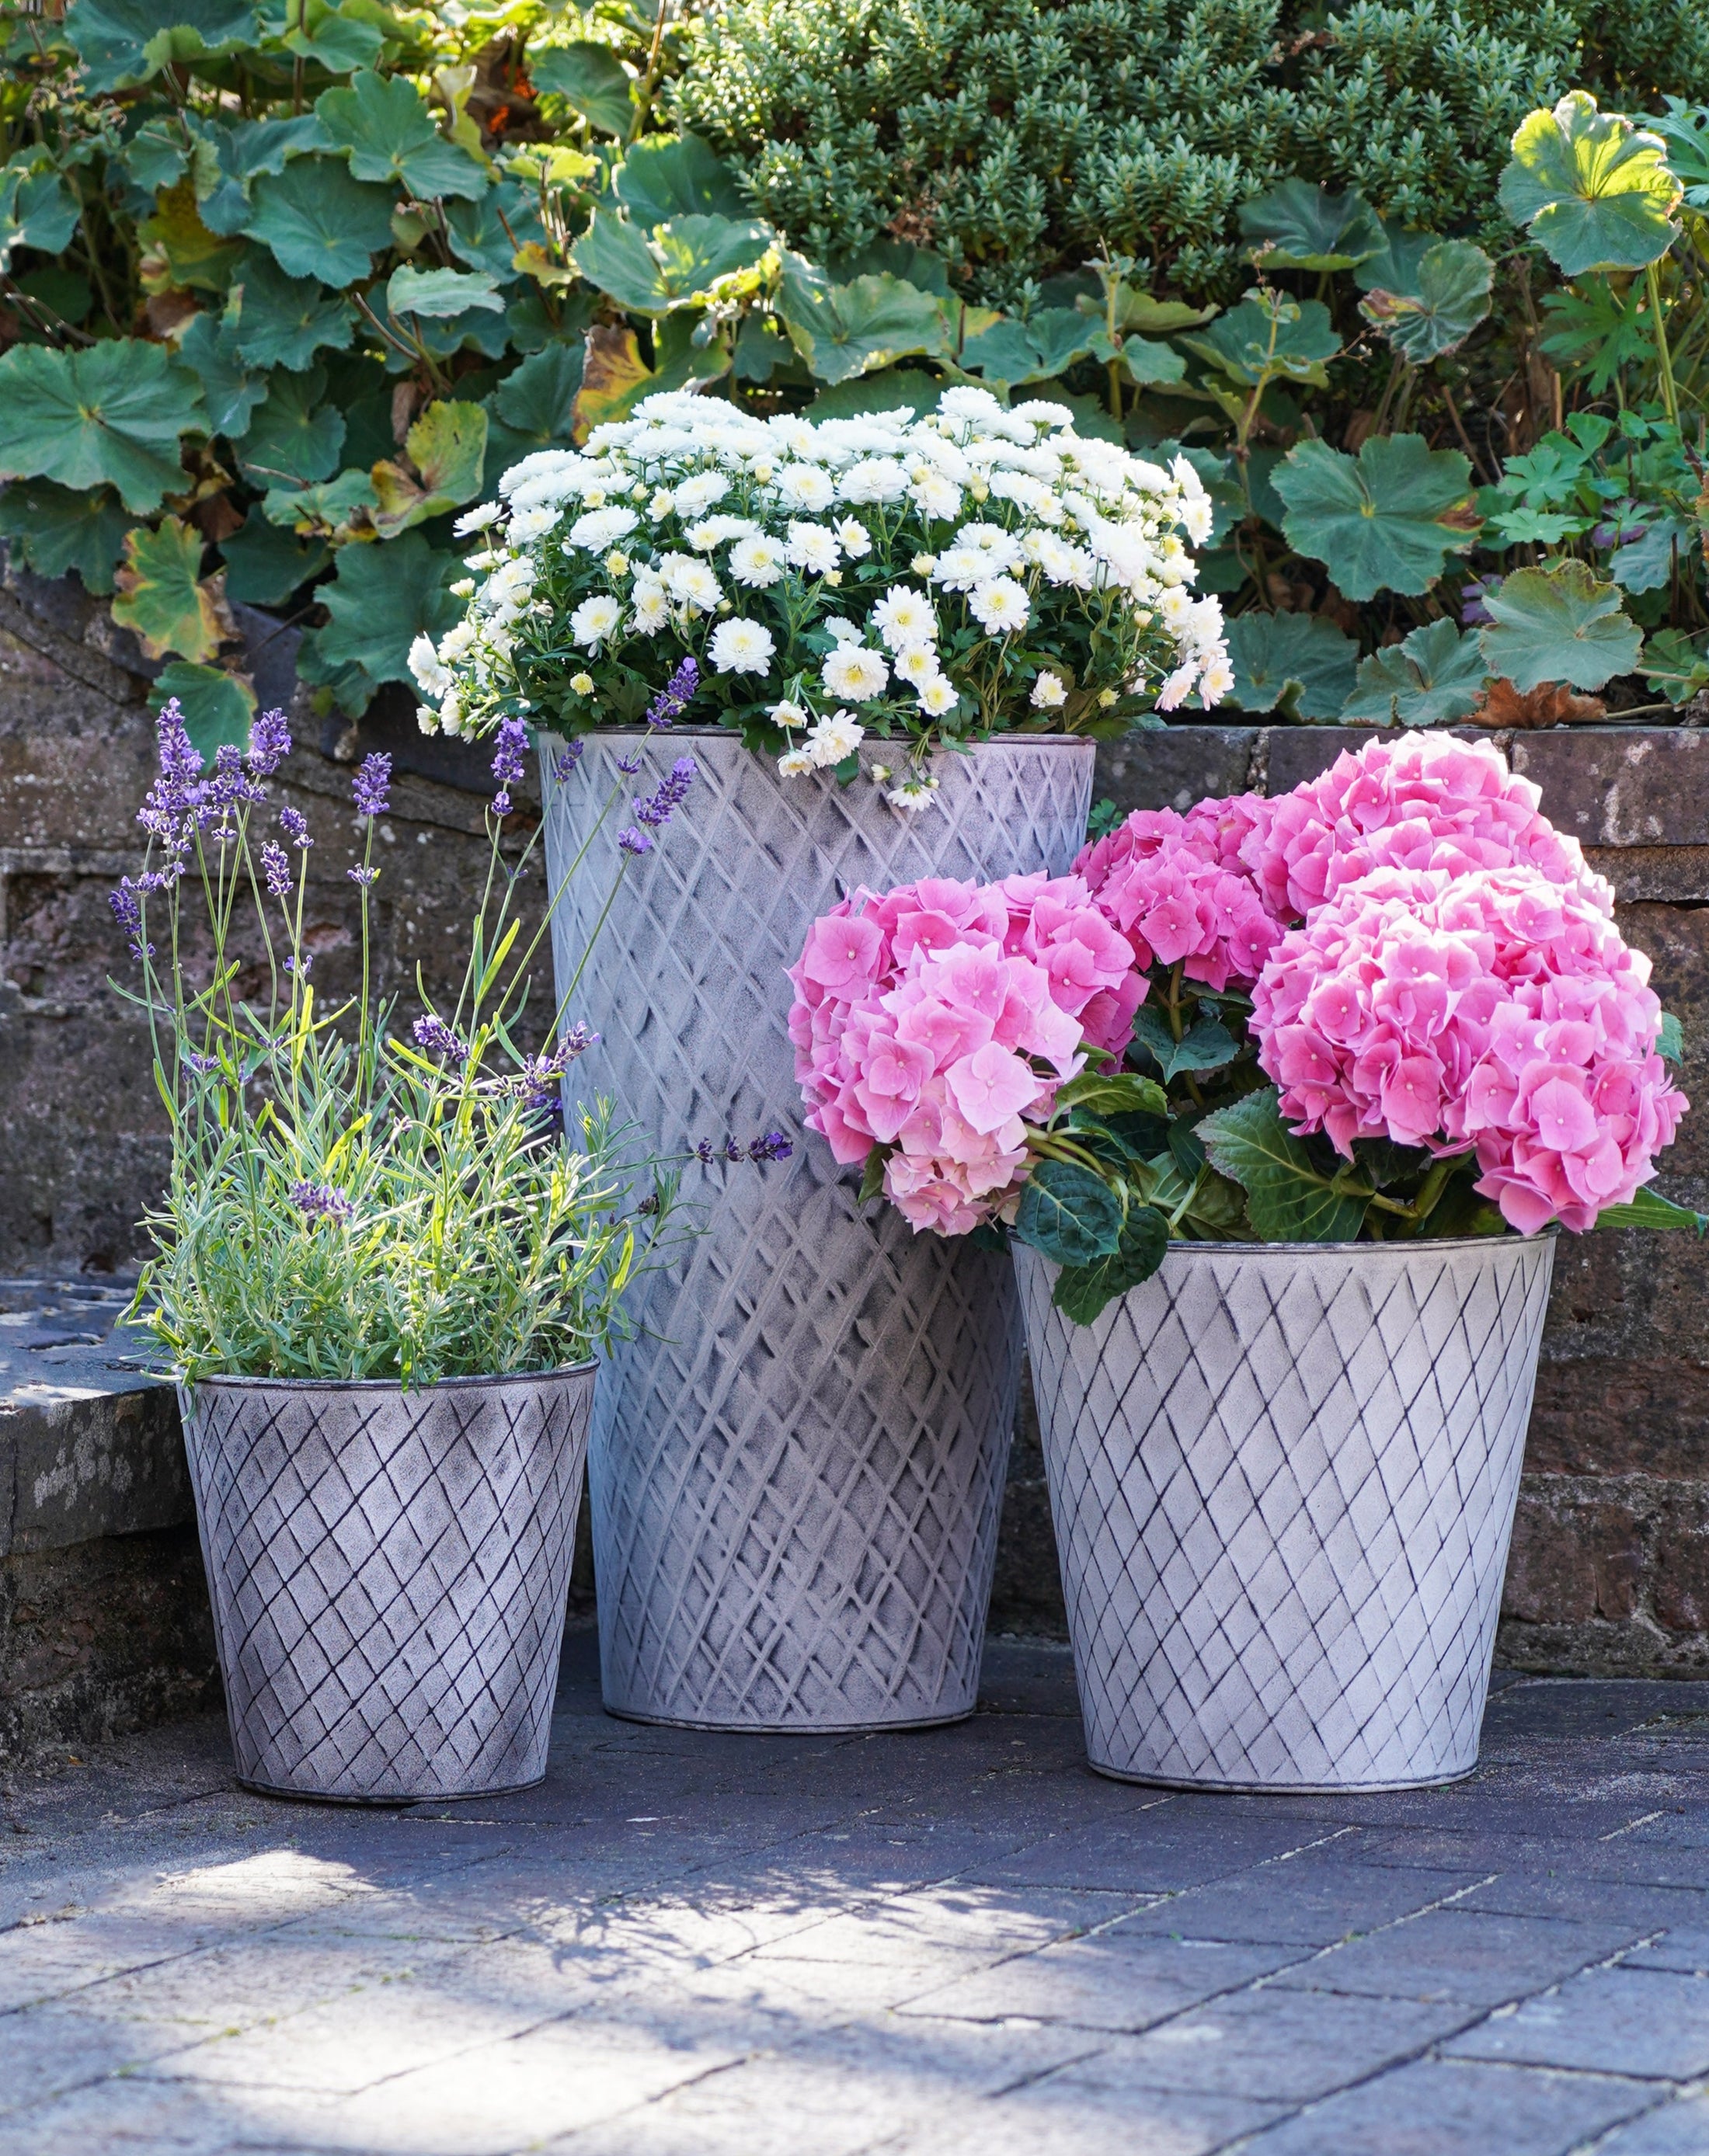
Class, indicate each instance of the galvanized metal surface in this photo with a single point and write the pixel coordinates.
(1283, 1480)
(389, 1572)
(797, 1476)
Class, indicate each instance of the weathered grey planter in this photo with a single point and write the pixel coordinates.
(796, 1475)
(1284, 1479)
(388, 1572)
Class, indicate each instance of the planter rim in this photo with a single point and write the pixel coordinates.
(563, 1372)
(1341, 1250)
(733, 734)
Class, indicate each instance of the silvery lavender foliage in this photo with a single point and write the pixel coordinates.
(675, 697)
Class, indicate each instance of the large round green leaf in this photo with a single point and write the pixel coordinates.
(382, 599)
(59, 530)
(217, 709)
(1386, 520)
(672, 268)
(591, 79)
(232, 389)
(382, 125)
(534, 408)
(163, 599)
(486, 234)
(1269, 337)
(320, 222)
(1559, 624)
(1298, 225)
(1298, 663)
(110, 415)
(1430, 679)
(38, 210)
(127, 41)
(278, 320)
(294, 439)
(670, 176)
(264, 565)
(1596, 192)
(1438, 309)
(845, 329)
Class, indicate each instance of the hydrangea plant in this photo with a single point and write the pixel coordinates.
(933, 578)
(1391, 1004)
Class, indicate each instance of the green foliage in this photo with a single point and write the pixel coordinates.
(162, 597)
(319, 222)
(1433, 677)
(1069, 1213)
(1440, 305)
(382, 599)
(1289, 1198)
(1595, 192)
(294, 438)
(591, 80)
(1082, 1291)
(110, 415)
(844, 329)
(1297, 662)
(217, 708)
(58, 529)
(1386, 520)
(1559, 624)
(276, 320)
(388, 134)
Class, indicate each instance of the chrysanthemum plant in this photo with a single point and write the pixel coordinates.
(929, 580)
(1391, 1004)
(350, 1200)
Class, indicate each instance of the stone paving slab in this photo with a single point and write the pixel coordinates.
(912, 1945)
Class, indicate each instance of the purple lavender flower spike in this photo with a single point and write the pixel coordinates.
(635, 842)
(305, 969)
(201, 1065)
(372, 785)
(270, 744)
(507, 762)
(630, 763)
(294, 825)
(656, 809)
(565, 763)
(364, 876)
(229, 787)
(126, 902)
(319, 1201)
(170, 809)
(675, 697)
(275, 866)
(437, 1039)
(773, 1146)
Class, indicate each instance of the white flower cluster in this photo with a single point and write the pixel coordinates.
(998, 536)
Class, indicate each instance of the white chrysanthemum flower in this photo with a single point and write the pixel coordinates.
(1177, 686)
(476, 519)
(805, 486)
(661, 504)
(853, 537)
(427, 718)
(594, 619)
(1049, 692)
(914, 793)
(938, 696)
(464, 588)
(652, 610)
(905, 616)
(873, 479)
(975, 407)
(487, 559)
(616, 563)
(457, 642)
(1000, 606)
(811, 547)
(690, 582)
(713, 531)
(432, 678)
(700, 492)
(917, 663)
(934, 495)
(1216, 680)
(451, 713)
(581, 684)
(787, 714)
(923, 565)
(959, 568)
(757, 562)
(854, 671)
(835, 738)
(527, 524)
(841, 628)
(796, 763)
(741, 646)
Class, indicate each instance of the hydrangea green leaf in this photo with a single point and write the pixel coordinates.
(1068, 1213)
(264, 565)
(441, 294)
(447, 446)
(1438, 310)
(1205, 1045)
(478, 233)
(294, 438)
(1648, 1209)
(845, 329)
(666, 175)
(163, 597)
(121, 42)
(1595, 192)
(1269, 337)
(1431, 678)
(1386, 520)
(38, 210)
(1082, 1291)
(231, 389)
(1299, 663)
(591, 80)
(318, 221)
(381, 124)
(1298, 225)
(59, 530)
(1114, 1093)
(110, 415)
(1559, 624)
(217, 708)
(381, 600)
(276, 320)
(1287, 1200)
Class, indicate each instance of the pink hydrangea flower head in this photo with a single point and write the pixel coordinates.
(941, 1018)
(1494, 1011)
(1179, 891)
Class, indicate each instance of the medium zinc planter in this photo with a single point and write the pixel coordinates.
(796, 1471)
(390, 1572)
(1284, 1478)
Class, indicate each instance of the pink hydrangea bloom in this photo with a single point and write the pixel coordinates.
(1178, 889)
(1427, 802)
(922, 1020)
(1497, 1011)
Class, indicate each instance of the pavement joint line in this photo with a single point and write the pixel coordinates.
(1630, 1825)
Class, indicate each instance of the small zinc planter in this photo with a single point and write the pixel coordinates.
(1284, 1479)
(796, 1471)
(390, 1572)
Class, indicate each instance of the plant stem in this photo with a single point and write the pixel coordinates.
(1658, 331)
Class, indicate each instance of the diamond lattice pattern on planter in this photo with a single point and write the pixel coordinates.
(390, 1572)
(1284, 1483)
(796, 1477)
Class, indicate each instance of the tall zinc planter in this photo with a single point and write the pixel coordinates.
(388, 1572)
(796, 1472)
(1284, 1478)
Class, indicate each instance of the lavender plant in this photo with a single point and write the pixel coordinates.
(347, 1199)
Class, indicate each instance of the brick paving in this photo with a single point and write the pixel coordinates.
(685, 1945)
